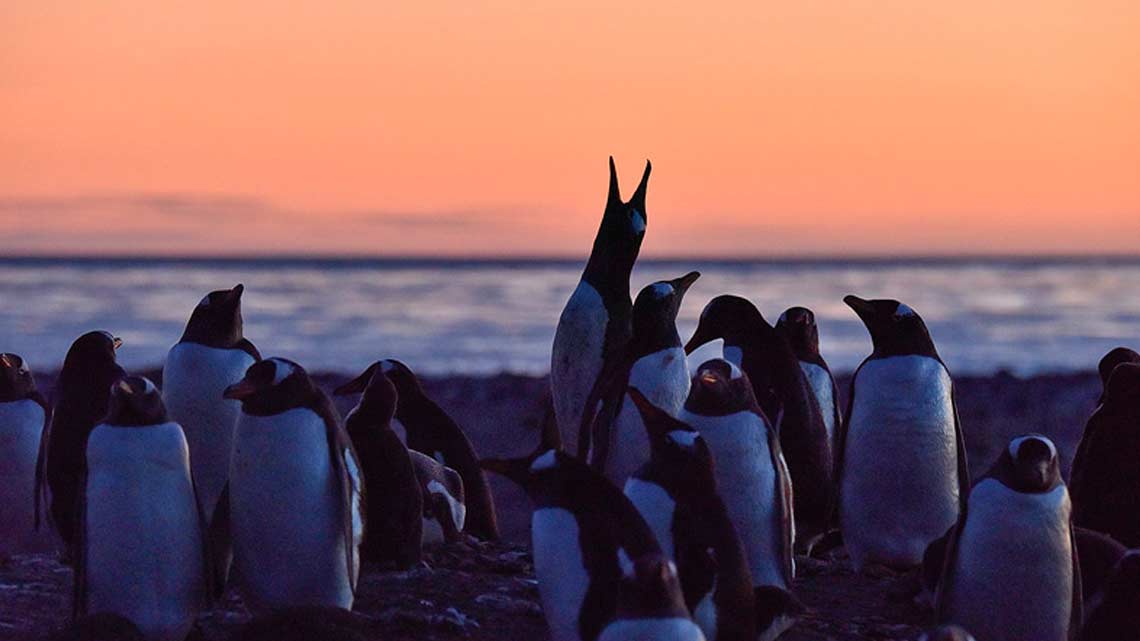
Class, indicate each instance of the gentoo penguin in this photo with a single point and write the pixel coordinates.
(903, 474)
(650, 605)
(211, 355)
(946, 633)
(584, 531)
(798, 325)
(676, 494)
(82, 392)
(141, 550)
(295, 492)
(23, 415)
(654, 363)
(1105, 478)
(1011, 568)
(754, 483)
(595, 325)
(1110, 361)
(1114, 613)
(431, 431)
(783, 393)
(444, 508)
(395, 501)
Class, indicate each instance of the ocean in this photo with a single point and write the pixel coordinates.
(479, 317)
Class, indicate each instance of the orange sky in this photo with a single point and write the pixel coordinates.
(878, 126)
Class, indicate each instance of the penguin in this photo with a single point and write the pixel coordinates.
(754, 483)
(785, 397)
(650, 605)
(1105, 481)
(595, 324)
(1011, 567)
(799, 327)
(23, 417)
(395, 501)
(431, 431)
(296, 493)
(444, 507)
(82, 393)
(1110, 361)
(211, 355)
(654, 363)
(1114, 613)
(676, 494)
(584, 532)
(946, 633)
(141, 546)
(903, 476)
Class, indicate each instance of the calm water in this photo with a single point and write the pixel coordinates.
(465, 317)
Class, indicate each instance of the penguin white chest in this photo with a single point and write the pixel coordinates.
(657, 508)
(576, 359)
(21, 424)
(141, 534)
(819, 380)
(663, 377)
(194, 378)
(560, 568)
(900, 477)
(1012, 577)
(286, 514)
(652, 629)
(746, 478)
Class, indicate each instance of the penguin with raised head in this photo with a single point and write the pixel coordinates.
(754, 482)
(584, 531)
(1011, 568)
(650, 605)
(80, 400)
(212, 354)
(595, 323)
(432, 431)
(296, 493)
(1105, 479)
(141, 548)
(676, 494)
(444, 507)
(903, 476)
(1109, 362)
(654, 363)
(1114, 613)
(798, 325)
(23, 417)
(782, 392)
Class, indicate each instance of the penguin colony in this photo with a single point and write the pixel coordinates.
(676, 518)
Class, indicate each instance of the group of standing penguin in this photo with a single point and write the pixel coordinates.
(679, 514)
(237, 461)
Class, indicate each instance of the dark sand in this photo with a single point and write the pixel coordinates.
(487, 591)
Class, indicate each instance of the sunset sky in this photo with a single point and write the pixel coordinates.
(483, 128)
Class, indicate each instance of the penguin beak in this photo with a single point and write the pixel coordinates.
(117, 342)
(862, 307)
(5, 361)
(683, 283)
(701, 336)
(356, 385)
(236, 292)
(240, 390)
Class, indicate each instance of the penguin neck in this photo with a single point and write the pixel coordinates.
(377, 414)
(609, 267)
(653, 336)
(212, 338)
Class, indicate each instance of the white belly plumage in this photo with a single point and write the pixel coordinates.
(193, 380)
(576, 359)
(143, 537)
(21, 424)
(820, 381)
(900, 478)
(286, 513)
(662, 629)
(1012, 578)
(560, 570)
(657, 508)
(663, 377)
(746, 480)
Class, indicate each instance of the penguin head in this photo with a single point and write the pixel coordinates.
(720, 388)
(1107, 364)
(650, 586)
(216, 321)
(655, 312)
(1031, 464)
(946, 633)
(406, 382)
(16, 380)
(625, 222)
(91, 350)
(798, 326)
(272, 386)
(676, 444)
(732, 318)
(135, 401)
(379, 393)
(1123, 387)
(895, 328)
(544, 474)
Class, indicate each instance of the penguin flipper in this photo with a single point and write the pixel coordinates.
(218, 547)
(248, 347)
(949, 560)
(39, 492)
(963, 464)
(784, 500)
(346, 470)
(78, 550)
(1076, 613)
(841, 448)
(601, 411)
